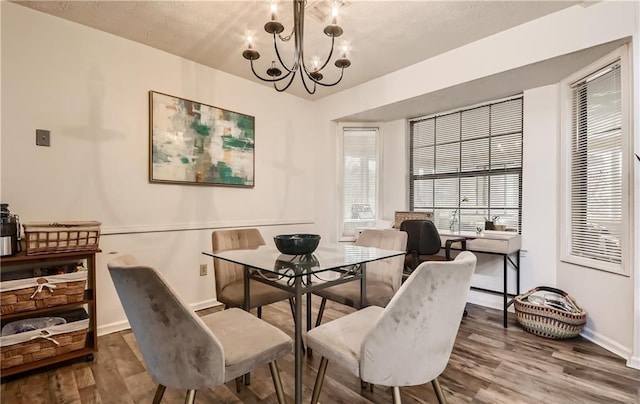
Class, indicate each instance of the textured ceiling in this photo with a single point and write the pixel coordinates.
(384, 36)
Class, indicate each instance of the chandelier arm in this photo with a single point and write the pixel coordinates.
(288, 84)
(333, 39)
(304, 83)
(275, 46)
(270, 80)
(334, 83)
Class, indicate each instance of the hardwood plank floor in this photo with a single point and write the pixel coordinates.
(489, 364)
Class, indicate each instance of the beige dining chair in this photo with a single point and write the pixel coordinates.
(383, 277)
(184, 351)
(230, 277)
(407, 343)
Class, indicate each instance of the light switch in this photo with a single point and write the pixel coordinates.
(43, 137)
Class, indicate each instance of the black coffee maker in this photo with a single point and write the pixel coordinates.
(9, 232)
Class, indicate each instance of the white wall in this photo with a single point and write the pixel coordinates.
(395, 167)
(540, 187)
(569, 30)
(557, 34)
(90, 89)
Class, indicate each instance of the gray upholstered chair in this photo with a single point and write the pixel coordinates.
(230, 276)
(383, 277)
(407, 343)
(184, 351)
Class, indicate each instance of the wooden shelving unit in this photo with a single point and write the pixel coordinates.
(21, 261)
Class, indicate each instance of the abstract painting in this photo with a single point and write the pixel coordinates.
(195, 143)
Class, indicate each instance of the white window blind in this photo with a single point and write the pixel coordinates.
(596, 173)
(466, 166)
(360, 179)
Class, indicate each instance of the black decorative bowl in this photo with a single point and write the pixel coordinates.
(297, 244)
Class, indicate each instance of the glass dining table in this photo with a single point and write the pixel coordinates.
(330, 264)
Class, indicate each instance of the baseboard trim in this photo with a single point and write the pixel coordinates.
(206, 304)
(634, 362)
(124, 324)
(608, 344)
(113, 327)
(495, 302)
(486, 299)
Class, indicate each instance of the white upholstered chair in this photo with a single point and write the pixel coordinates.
(407, 343)
(383, 277)
(184, 351)
(230, 276)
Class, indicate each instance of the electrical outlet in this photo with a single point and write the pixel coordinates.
(43, 137)
(523, 253)
(203, 269)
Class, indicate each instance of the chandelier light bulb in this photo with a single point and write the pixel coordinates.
(334, 14)
(345, 49)
(274, 11)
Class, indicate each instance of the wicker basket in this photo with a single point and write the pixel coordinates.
(44, 238)
(36, 345)
(38, 293)
(547, 321)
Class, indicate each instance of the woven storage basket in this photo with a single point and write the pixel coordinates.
(44, 238)
(547, 321)
(38, 293)
(36, 345)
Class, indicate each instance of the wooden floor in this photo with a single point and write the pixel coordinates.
(489, 364)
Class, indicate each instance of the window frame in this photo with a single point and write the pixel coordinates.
(490, 172)
(342, 127)
(566, 116)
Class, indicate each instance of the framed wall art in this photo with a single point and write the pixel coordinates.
(195, 143)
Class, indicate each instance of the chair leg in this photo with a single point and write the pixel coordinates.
(277, 383)
(159, 393)
(239, 383)
(439, 393)
(364, 385)
(259, 311)
(396, 395)
(322, 369)
(321, 311)
(191, 397)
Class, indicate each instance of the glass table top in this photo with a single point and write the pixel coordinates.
(325, 258)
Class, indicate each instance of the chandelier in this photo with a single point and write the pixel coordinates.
(310, 75)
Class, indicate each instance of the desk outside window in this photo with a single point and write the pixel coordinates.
(505, 244)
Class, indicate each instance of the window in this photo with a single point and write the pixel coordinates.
(360, 179)
(466, 166)
(595, 207)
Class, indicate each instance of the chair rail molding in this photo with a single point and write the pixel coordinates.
(221, 224)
